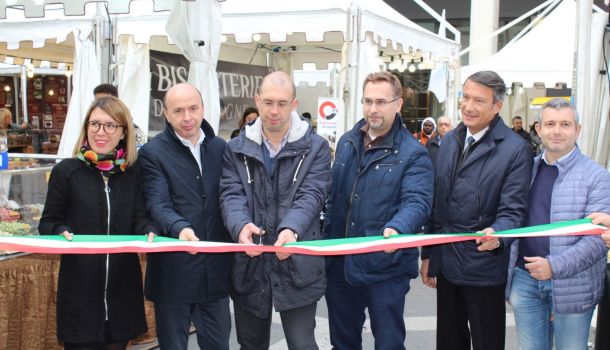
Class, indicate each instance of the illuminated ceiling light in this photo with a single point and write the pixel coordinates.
(51, 92)
(412, 68)
(30, 73)
(7, 88)
(509, 91)
(520, 90)
(256, 37)
(402, 67)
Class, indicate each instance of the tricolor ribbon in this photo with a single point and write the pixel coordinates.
(102, 244)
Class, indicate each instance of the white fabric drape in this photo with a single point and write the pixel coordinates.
(134, 79)
(195, 27)
(595, 130)
(350, 108)
(86, 76)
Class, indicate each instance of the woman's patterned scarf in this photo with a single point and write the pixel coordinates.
(106, 163)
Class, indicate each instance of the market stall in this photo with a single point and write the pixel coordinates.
(276, 34)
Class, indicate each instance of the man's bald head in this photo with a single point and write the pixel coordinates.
(183, 108)
(181, 88)
(278, 79)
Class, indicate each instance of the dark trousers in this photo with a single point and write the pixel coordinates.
(483, 308)
(212, 322)
(346, 305)
(602, 335)
(109, 343)
(253, 333)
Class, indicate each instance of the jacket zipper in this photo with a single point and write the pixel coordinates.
(107, 191)
(351, 197)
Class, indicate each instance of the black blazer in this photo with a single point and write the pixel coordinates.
(178, 195)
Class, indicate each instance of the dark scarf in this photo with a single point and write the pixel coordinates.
(110, 163)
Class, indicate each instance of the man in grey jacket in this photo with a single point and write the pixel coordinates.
(276, 176)
(554, 283)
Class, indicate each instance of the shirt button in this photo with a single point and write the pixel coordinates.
(198, 177)
(352, 223)
(356, 195)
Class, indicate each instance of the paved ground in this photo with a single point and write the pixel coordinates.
(420, 319)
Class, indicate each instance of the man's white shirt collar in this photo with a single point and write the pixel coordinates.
(476, 136)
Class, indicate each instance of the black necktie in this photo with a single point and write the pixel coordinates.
(469, 142)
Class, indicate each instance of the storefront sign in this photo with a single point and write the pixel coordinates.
(238, 84)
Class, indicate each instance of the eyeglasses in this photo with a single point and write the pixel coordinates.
(109, 128)
(379, 102)
(279, 104)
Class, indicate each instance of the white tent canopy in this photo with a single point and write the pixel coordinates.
(293, 33)
(545, 54)
(315, 31)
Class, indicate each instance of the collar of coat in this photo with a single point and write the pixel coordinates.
(208, 131)
(297, 130)
(563, 164)
(497, 132)
(355, 135)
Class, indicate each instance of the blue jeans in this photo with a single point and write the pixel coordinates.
(532, 302)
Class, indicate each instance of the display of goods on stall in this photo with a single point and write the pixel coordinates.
(47, 104)
(6, 92)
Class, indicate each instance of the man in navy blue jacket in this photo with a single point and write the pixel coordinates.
(381, 185)
(181, 168)
(482, 179)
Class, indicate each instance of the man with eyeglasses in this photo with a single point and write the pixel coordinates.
(275, 179)
(482, 179)
(181, 170)
(381, 186)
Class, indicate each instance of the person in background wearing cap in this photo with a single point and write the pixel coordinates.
(428, 126)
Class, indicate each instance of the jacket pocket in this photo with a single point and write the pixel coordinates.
(482, 266)
(380, 261)
(244, 272)
(305, 269)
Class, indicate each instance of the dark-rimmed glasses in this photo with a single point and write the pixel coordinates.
(369, 102)
(109, 128)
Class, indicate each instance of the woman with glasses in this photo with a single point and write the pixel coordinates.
(100, 304)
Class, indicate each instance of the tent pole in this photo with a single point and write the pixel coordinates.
(103, 42)
(24, 90)
(15, 94)
(582, 71)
